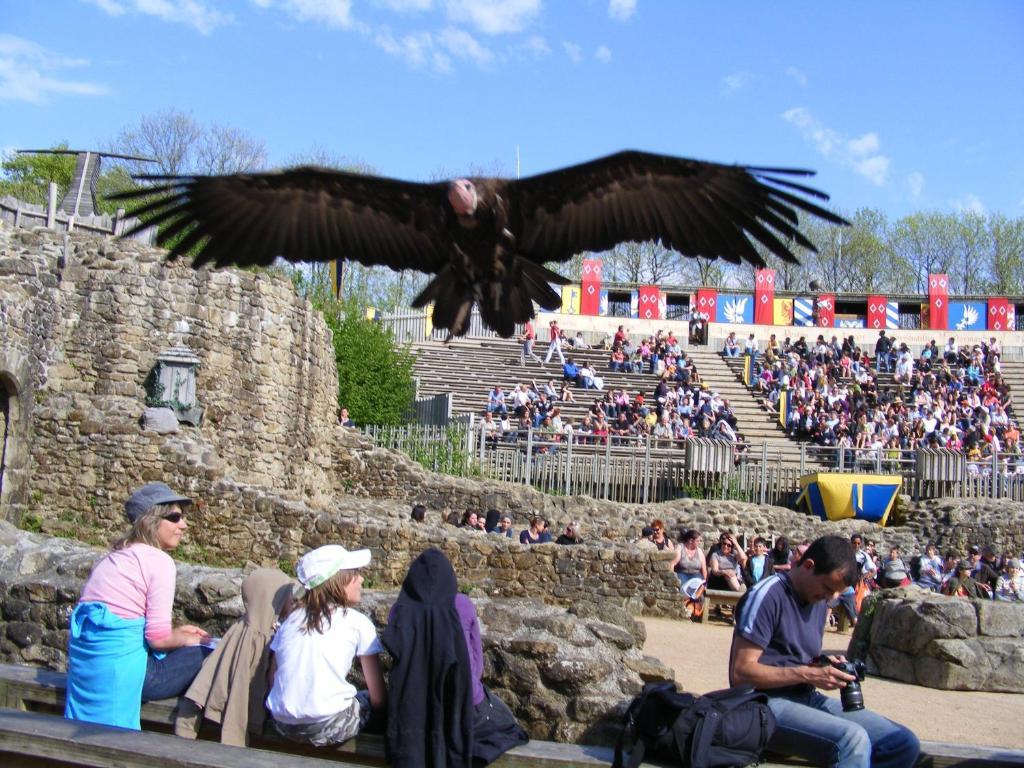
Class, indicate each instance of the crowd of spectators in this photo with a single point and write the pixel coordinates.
(680, 407)
(538, 530)
(731, 566)
(952, 398)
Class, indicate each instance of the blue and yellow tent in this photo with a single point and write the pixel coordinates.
(836, 496)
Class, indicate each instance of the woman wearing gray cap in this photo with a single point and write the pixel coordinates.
(123, 649)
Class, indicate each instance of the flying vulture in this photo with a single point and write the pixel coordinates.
(484, 239)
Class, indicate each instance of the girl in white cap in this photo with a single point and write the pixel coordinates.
(310, 699)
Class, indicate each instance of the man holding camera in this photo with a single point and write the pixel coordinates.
(776, 649)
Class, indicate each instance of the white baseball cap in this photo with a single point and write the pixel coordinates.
(318, 566)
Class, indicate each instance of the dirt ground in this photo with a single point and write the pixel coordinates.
(699, 654)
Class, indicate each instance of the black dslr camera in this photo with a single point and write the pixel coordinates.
(851, 695)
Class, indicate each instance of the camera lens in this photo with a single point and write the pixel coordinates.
(852, 697)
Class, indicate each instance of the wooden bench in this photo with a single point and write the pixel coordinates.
(25, 688)
(717, 598)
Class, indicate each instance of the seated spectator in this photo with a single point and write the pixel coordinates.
(660, 541)
(986, 569)
(345, 420)
(310, 698)
(780, 555)
(565, 395)
(439, 709)
(491, 521)
(571, 535)
(750, 346)
(121, 628)
(725, 564)
(471, 520)
(490, 429)
(496, 400)
(758, 565)
(579, 342)
(419, 513)
(691, 564)
(505, 527)
(534, 534)
(232, 685)
(930, 569)
(586, 376)
(570, 371)
(962, 585)
(894, 571)
(1010, 586)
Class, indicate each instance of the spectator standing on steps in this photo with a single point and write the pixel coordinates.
(554, 343)
(527, 338)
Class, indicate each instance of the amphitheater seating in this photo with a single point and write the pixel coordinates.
(469, 368)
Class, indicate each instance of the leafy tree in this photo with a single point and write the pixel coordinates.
(375, 375)
(28, 177)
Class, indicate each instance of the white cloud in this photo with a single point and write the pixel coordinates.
(333, 13)
(970, 203)
(573, 51)
(493, 17)
(29, 72)
(862, 154)
(535, 47)
(603, 53)
(736, 81)
(194, 13)
(416, 49)
(463, 45)
(406, 6)
(620, 10)
(798, 75)
(915, 181)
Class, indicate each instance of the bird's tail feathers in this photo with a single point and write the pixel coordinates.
(503, 303)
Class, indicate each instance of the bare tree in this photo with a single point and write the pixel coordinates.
(168, 137)
(222, 149)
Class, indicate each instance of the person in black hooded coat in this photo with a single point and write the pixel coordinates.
(440, 715)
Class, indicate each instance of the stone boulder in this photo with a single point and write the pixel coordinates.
(942, 642)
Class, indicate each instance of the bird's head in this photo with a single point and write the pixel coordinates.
(462, 196)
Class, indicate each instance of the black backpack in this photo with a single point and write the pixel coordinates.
(722, 729)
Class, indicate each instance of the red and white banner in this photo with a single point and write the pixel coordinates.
(764, 297)
(707, 303)
(1000, 315)
(876, 312)
(590, 287)
(826, 310)
(938, 302)
(648, 302)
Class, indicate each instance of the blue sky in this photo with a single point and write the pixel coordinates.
(901, 106)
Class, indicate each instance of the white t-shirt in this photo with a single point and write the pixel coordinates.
(309, 684)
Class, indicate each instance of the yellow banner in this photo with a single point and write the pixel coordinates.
(782, 312)
(571, 299)
(429, 329)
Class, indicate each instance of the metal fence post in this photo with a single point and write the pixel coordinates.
(568, 463)
(607, 465)
(647, 470)
(803, 459)
(529, 456)
(764, 471)
(995, 474)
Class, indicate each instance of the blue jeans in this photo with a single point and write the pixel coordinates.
(815, 727)
(174, 673)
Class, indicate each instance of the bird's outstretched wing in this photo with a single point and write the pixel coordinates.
(694, 207)
(302, 214)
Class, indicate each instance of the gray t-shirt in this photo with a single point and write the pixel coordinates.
(771, 616)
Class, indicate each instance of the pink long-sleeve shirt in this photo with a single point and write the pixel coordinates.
(135, 582)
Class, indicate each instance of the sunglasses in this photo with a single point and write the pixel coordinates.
(174, 517)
